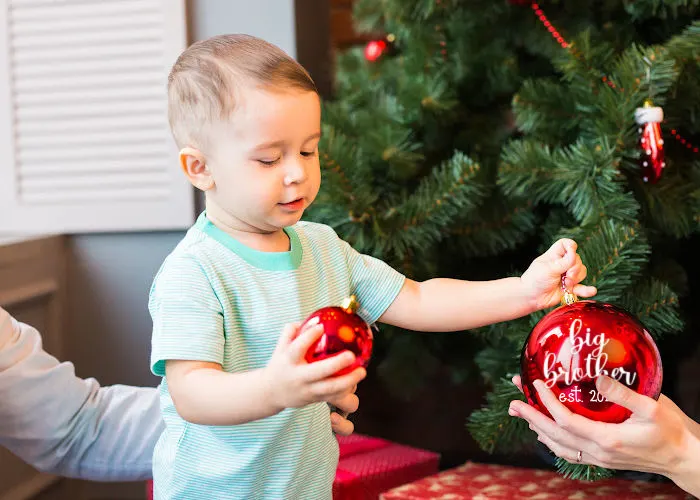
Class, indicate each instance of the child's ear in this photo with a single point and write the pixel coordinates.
(195, 167)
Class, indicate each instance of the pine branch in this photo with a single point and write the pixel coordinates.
(656, 306)
(502, 356)
(582, 472)
(420, 217)
(686, 46)
(493, 428)
(615, 255)
(395, 143)
(646, 9)
(356, 81)
(544, 109)
(668, 206)
(499, 225)
(368, 16)
(347, 196)
(583, 177)
(581, 64)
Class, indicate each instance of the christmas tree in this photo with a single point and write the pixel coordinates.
(471, 134)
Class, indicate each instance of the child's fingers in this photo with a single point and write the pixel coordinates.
(303, 341)
(289, 332)
(561, 248)
(577, 272)
(328, 367)
(585, 290)
(333, 387)
(346, 403)
(562, 263)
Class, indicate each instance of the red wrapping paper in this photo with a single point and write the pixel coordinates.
(486, 482)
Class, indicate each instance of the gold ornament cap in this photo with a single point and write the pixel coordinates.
(569, 297)
(350, 304)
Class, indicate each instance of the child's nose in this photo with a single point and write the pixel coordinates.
(295, 173)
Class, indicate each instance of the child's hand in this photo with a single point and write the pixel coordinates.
(542, 280)
(292, 382)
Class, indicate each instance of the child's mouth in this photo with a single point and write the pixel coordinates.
(293, 206)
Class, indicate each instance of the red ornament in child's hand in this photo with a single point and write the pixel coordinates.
(343, 330)
(575, 343)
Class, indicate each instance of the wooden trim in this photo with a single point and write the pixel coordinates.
(32, 291)
(313, 41)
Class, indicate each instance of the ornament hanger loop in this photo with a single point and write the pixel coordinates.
(648, 75)
(569, 297)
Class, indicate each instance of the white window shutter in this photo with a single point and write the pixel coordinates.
(84, 134)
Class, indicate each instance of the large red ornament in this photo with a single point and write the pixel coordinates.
(652, 161)
(343, 330)
(575, 343)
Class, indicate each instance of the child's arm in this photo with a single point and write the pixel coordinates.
(447, 305)
(450, 305)
(204, 394)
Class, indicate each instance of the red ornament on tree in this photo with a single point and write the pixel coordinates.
(343, 330)
(376, 49)
(574, 344)
(652, 161)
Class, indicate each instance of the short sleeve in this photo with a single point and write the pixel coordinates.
(188, 319)
(375, 283)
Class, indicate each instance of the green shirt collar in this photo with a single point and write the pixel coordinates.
(271, 261)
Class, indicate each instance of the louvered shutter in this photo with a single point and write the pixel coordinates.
(83, 132)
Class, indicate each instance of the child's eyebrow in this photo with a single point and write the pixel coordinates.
(279, 144)
(270, 145)
(317, 135)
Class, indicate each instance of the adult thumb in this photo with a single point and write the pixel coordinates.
(622, 395)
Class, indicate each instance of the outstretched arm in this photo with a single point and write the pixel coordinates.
(62, 424)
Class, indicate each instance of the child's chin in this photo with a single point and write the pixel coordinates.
(290, 218)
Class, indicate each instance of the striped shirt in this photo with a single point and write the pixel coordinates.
(217, 300)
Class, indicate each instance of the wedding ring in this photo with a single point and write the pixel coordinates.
(579, 457)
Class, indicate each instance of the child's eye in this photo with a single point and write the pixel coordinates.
(308, 153)
(269, 162)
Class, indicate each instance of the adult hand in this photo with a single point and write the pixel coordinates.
(657, 438)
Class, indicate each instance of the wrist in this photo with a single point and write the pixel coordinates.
(524, 295)
(684, 468)
(269, 392)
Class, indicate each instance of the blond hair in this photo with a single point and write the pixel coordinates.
(203, 82)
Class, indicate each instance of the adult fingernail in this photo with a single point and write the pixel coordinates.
(603, 383)
(513, 412)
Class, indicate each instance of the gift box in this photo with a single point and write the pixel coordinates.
(368, 465)
(485, 482)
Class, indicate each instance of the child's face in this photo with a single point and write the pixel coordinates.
(264, 161)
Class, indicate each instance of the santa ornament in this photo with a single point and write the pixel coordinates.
(652, 160)
(579, 341)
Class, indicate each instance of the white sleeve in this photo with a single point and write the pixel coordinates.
(66, 425)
